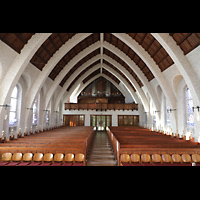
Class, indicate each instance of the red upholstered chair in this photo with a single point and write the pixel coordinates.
(79, 160)
(16, 159)
(27, 158)
(68, 160)
(156, 160)
(125, 160)
(135, 160)
(167, 160)
(5, 159)
(48, 159)
(37, 159)
(58, 159)
(146, 160)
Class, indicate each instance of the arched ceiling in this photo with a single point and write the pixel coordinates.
(186, 41)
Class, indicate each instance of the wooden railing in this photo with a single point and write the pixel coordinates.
(101, 106)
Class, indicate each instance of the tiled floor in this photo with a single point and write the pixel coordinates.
(101, 153)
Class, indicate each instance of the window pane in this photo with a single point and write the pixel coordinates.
(190, 119)
(12, 118)
(13, 103)
(35, 112)
(168, 113)
(130, 120)
(136, 120)
(120, 123)
(34, 118)
(108, 120)
(81, 120)
(93, 120)
(188, 94)
(125, 120)
(14, 93)
(189, 105)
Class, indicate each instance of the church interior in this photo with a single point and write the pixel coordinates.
(99, 99)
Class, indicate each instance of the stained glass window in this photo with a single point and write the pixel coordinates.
(168, 112)
(13, 108)
(47, 117)
(189, 105)
(35, 112)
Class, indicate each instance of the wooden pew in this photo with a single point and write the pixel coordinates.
(140, 141)
(62, 140)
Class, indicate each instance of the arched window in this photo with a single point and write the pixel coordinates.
(13, 108)
(167, 113)
(35, 112)
(189, 111)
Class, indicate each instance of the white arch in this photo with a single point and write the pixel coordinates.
(152, 66)
(38, 83)
(16, 69)
(82, 86)
(131, 79)
(89, 62)
(51, 64)
(19, 64)
(181, 62)
(118, 53)
(70, 65)
(83, 77)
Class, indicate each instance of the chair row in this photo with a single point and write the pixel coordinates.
(159, 160)
(38, 159)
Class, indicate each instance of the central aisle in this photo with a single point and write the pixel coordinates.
(101, 153)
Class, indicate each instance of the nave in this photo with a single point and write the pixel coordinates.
(83, 146)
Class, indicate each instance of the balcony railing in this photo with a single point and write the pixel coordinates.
(101, 106)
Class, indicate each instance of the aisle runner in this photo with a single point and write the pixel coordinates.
(101, 153)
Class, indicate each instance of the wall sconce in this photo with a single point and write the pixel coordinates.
(6, 106)
(196, 108)
(170, 110)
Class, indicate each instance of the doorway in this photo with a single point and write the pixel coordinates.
(73, 120)
(128, 120)
(101, 121)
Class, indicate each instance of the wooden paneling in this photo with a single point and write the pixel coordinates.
(16, 40)
(74, 120)
(186, 41)
(101, 106)
(128, 120)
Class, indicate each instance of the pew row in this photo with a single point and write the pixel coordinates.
(62, 140)
(38, 159)
(136, 140)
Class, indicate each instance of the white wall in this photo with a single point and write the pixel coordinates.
(94, 112)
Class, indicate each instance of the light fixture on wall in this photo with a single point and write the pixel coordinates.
(170, 110)
(198, 107)
(155, 111)
(6, 106)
